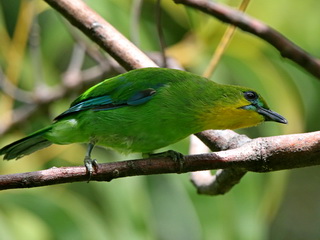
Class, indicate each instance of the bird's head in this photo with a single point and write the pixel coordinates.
(258, 105)
(238, 107)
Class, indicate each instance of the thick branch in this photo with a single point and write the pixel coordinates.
(219, 183)
(218, 140)
(102, 33)
(286, 48)
(259, 155)
(224, 179)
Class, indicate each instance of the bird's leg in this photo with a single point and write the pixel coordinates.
(175, 156)
(90, 164)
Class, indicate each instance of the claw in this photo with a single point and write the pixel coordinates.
(175, 156)
(91, 165)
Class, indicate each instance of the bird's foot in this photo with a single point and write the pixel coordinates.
(91, 166)
(175, 156)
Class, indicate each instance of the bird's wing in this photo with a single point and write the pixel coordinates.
(106, 102)
(107, 95)
(130, 89)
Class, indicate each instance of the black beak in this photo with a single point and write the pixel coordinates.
(271, 115)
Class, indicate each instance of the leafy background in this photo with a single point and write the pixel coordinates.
(35, 49)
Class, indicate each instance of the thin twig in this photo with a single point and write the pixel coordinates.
(160, 33)
(135, 21)
(35, 52)
(13, 91)
(286, 48)
(225, 40)
(72, 74)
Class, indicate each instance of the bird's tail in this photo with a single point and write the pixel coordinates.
(25, 146)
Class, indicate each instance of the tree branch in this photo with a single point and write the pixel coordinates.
(224, 179)
(259, 155)
(286, 48)
(102, 33)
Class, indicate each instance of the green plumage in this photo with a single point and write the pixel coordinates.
(146, 109)
(26, 145)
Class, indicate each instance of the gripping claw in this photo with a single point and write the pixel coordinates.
(175, 156)
(91, 165)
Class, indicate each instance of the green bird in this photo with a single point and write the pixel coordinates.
(147, 109)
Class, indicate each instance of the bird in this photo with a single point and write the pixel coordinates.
(144, 110)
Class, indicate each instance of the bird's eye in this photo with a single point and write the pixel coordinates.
(251, 95)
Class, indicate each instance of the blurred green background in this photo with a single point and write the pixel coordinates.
(36, 48)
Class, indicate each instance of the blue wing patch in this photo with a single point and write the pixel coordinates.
(103, 103)
(141, 97)
(85, 105)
